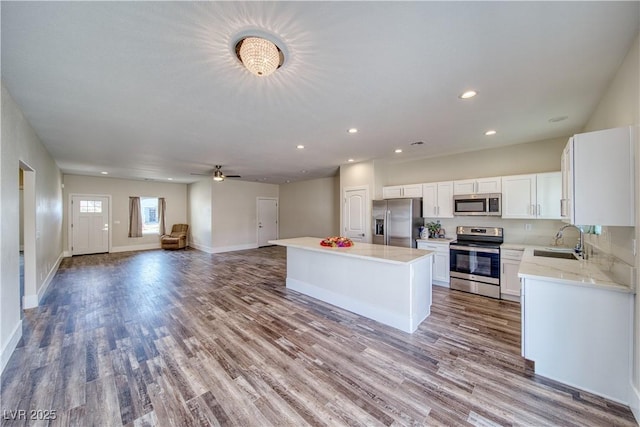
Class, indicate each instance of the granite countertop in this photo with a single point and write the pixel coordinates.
(381, 253)
(614, 276)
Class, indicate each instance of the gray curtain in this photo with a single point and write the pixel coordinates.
(162, 207)
(135, 217)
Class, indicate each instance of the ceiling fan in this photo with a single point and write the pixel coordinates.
(218, 175)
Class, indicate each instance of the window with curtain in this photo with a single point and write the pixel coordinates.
(146, 216)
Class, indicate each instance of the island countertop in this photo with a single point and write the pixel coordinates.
(382, 253)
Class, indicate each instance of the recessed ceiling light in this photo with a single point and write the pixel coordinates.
(558, 119)
(468, 94)
(303, 171)
(350, 160)
(300, 147)
(398, 150)
(490, 132)
(170, 179)
(104, 173)
(353, 130)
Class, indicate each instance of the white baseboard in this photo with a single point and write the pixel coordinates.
(49, 278)
(634, 401)
(221, 249)
(11, 345)
(244, 247)
(143, 247)
(32, 301)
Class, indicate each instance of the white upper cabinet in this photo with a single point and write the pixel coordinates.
(402, 191)
(437, 199)
(598, 171)
(548, 195)
(478, 186)
(532, 196)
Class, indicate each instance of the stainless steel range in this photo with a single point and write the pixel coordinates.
(475, 260)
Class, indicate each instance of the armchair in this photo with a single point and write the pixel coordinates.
(177, 239)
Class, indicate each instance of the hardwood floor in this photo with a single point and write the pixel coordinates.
(187, 338)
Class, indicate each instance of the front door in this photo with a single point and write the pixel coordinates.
(267, 220)
(90, 225)
(355, 214)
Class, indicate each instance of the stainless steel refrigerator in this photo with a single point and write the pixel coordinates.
(396, 222)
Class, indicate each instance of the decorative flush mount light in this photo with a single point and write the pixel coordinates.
(259, 55)
(490, 132)
(468, 94)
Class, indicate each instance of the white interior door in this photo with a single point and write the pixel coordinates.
(267, 220)
(90, 225)
(355, 214)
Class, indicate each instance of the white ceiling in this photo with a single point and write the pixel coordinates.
(153, 90)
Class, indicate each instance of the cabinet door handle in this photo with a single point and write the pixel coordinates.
(539, 210)
(435, 210)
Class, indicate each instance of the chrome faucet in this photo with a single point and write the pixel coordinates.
(580, 245)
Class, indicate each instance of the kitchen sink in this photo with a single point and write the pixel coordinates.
(550, 254)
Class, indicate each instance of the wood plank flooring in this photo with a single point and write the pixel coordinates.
(185, 338)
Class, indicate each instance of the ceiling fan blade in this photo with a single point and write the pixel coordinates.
(232, 176)
(201, 174)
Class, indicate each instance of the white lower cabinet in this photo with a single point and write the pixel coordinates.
(509, 280)
(440, 260)
(579, 335)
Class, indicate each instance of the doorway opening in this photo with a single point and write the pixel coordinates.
(28, 289)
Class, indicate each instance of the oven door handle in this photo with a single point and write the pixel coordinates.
(475, 249)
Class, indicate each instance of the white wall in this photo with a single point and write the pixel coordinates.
(120, 190)
(19, 142)
(620, 106)
(310, 208)
(199, 213)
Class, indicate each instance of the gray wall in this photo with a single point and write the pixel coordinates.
(120, 190)
(310, 208)
(224, 215)
(20, 143)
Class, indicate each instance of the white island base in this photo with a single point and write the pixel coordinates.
(388, 284)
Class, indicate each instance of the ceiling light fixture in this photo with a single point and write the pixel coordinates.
(104, 173)
(558, 119)
(350, 160)
(218, 175)
(490, 132)
(300, 147)
(468, 94)
(259, 55)
(398, 150)
(353, 130)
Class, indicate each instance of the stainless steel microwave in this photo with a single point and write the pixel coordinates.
(477, 204)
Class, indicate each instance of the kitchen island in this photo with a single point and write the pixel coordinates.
(389, 284)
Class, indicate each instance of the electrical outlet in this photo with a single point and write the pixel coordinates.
(527, 227)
